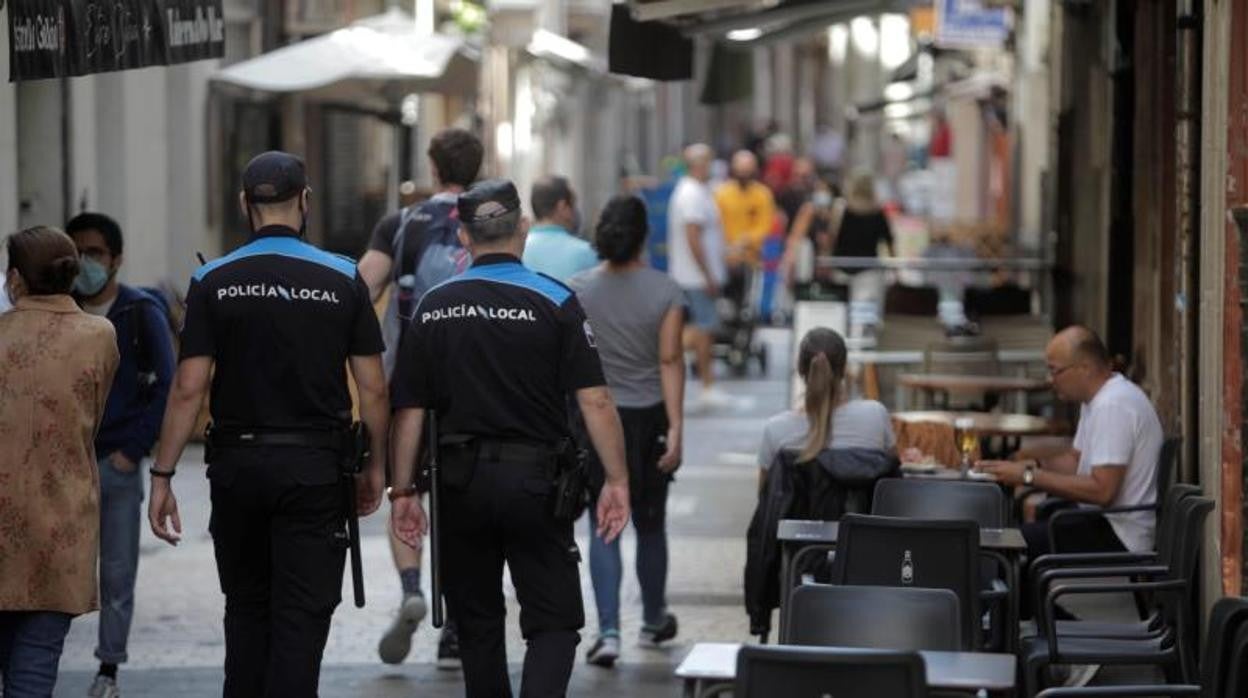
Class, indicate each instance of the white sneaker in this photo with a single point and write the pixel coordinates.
(103, 687)
(604, 652)
(397, 641)
(1081, 675)
(713, 398)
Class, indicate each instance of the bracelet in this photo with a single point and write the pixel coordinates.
(393, 493)
(167, 474)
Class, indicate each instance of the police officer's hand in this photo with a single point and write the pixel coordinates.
(369, 486)
(161, 508)
(407, 520)
(612, 510)
(670, 460)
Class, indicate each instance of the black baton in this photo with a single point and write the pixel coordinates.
(434, 557)
(359, 448)
(353, 533)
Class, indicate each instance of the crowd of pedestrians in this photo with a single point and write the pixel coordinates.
(525, 344)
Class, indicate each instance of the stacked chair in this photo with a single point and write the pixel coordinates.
(1224, 669)
(1168, 577)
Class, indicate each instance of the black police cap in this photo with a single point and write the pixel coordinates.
(487, 200)
(274, 176)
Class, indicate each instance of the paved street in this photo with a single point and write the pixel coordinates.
(177, 645)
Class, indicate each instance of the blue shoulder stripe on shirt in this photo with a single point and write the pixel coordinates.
(282, 247)
(516, 274)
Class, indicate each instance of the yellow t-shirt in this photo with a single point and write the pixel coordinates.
(748, 214)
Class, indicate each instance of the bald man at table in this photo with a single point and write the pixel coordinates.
(1113, 460)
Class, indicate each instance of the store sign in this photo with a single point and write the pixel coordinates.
(969, 23)
(56, 38)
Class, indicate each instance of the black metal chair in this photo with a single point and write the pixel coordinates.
(955, 500)
(1167, 462)
(1047, 568)
(946, 500)
(1170, 650)
(1224, 669)
(886, 551)
(765, 671)
(895, 618)
(962, 356)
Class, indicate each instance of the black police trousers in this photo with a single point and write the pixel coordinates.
(278, 531)
(503, 515)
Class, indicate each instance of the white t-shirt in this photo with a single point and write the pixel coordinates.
(856, 424)
(693, 202)
(1120, 427)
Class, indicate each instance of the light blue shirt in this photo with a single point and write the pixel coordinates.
(553, 251)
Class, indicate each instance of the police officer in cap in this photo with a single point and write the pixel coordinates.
(495, 352)
(273, 326)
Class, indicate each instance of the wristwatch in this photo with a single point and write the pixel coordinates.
(393, 493)
(1029, 474)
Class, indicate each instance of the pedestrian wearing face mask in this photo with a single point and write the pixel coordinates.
(811, 234)
(129, 429)
(553, 247)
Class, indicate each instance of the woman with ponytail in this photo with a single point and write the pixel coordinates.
(829, 418)
(56, 367)
(637, 316)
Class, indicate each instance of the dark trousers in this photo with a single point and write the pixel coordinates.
(30, 651)
(278, 531)
(503, 515)
(1086, 533)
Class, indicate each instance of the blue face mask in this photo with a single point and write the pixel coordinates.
(92, 277)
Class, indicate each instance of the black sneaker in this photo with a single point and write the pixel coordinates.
(655, 635)
(448, 648)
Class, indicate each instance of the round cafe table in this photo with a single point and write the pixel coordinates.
(1010, 428)
(942, 385)
(986, 424)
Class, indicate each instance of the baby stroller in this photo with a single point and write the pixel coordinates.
(734, 340)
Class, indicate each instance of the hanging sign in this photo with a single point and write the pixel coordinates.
(58, 38)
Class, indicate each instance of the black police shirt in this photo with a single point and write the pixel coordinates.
(495, 351)
(280, 318)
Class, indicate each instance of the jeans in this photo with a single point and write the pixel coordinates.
(606, 571)
(121, 498)
(30, 651)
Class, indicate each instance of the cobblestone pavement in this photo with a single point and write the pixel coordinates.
(177, 646)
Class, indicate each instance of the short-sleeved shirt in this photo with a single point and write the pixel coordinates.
(855, 424)
(1120, 427)
(280, 318)
(555, 252)
(496, 351)
(422, 240)
(693, 202)
(627, 309)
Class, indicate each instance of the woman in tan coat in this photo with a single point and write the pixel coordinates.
(56, 367)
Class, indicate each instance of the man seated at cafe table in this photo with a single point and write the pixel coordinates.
(1112, 461)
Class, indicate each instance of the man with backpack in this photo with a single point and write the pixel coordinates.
(416, 249)
(130, 427)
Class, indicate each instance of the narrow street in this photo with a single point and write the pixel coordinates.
(177, 645)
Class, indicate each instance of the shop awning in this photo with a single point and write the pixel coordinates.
(381, 58)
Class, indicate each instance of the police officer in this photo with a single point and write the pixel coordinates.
(275, 324)
(495, 352)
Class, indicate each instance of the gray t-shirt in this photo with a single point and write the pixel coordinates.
(856, 424)
(626, 310)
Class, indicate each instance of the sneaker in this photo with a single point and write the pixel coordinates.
(104, 687)
(448, 649)
(712, 398)
(604, 652)
(397, 641)
(655, 635)
(1080, 675)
